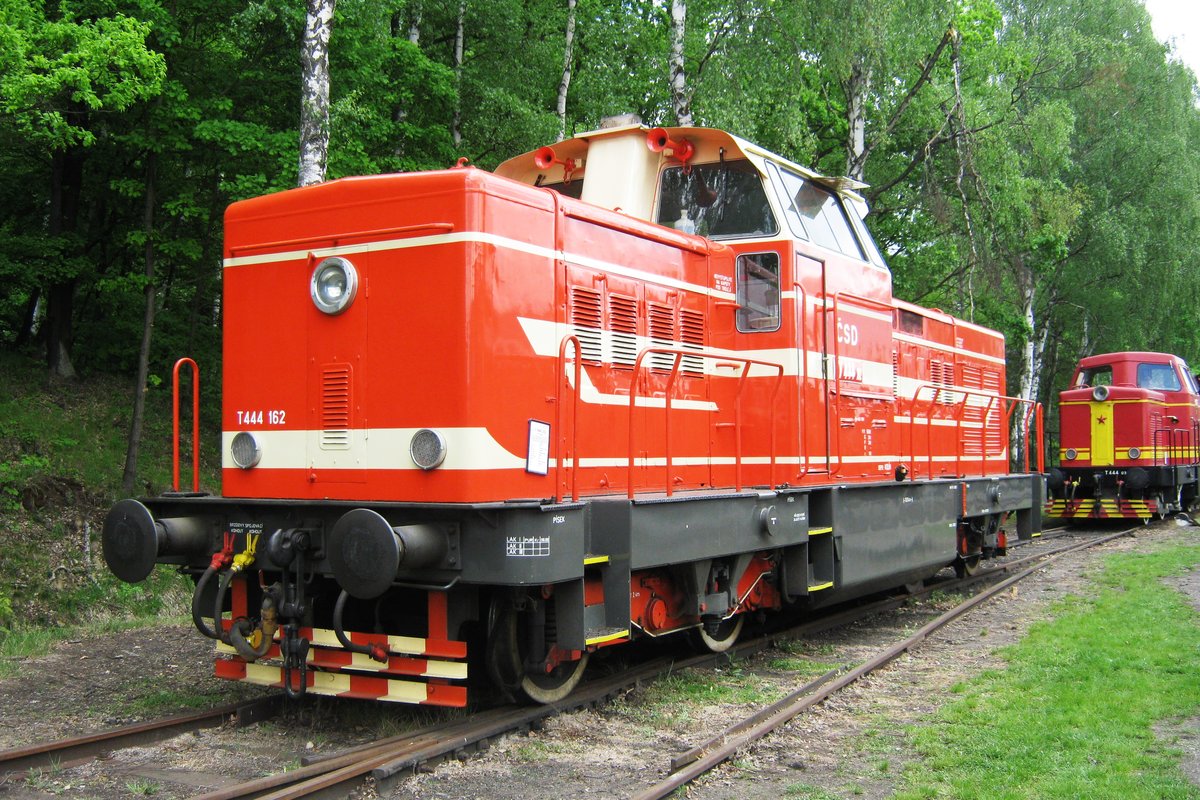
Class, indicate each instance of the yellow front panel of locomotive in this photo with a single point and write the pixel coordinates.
(1102, 434)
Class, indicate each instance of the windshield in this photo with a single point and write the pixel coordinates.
(716, 200)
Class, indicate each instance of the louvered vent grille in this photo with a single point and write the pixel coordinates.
(997, 436)
(335, 407)
(691, 329)
(662, 334)
(585, 322)
(622, 314)
(973, 436)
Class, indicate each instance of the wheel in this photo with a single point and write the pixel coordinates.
(717, 638)
(555, 685)
(970, 547)
(1160, 507)
(967, 566)
(509, 666)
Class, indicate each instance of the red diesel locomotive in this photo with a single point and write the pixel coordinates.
(1130, 438)
(477, 426)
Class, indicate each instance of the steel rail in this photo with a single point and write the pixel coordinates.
(80, 749)
(712, 753)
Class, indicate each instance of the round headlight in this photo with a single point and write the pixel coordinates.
(245, 450)
(1071, 454)
(334, 284)
(1135, 453)
(1100, 393)
(427, 448)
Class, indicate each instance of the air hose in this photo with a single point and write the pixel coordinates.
(197, 614)
(374, 651)
(264, 635)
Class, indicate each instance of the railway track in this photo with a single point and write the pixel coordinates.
(79, 749)
(389, 760)
(687, 766)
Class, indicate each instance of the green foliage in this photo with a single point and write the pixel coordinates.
(16, 475)
(690, 694)
(1076, 706)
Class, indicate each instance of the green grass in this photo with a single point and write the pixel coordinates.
(801, 666)
(172, 700)
(62, 452)
(31, 641)
(685, 696)
(79, 432)
(1072, 715)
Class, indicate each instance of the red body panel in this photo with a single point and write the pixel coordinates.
(469, 285)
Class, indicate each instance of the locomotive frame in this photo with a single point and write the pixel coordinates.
(541, 416)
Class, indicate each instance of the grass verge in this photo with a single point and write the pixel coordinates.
(1072, 715)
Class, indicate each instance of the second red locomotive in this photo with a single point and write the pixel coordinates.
(1130, 438)
(478, 426)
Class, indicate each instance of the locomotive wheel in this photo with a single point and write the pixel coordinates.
(970, 554)
(1160, 507)
(555, 685)
(721, 638)
(967, 566)
(508, 664)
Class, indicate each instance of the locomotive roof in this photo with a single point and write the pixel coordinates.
(1128, 355)
(710, 145)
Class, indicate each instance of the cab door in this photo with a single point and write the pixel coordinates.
(811, 320)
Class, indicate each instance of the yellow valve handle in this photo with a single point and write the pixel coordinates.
(246, 557)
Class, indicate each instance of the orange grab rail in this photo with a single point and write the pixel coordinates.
(195, 422)
(564, 449)
(679, 355)
(1031, 417)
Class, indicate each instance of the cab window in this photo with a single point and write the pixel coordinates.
(1160, 377)
(573, 188)
(1095, 376)
(1191, 381)
(720, 201)
(758, 292)
(816, 214)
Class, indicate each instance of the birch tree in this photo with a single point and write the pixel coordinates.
(459, 33)
(314, 92)
(681, 97)
(565, 84)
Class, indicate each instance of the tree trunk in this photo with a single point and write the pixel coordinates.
(314, 92)
(1035, 345)
(565, 83)
(681, 101)
(29, 319)
(456, 125)
(414, 23)
(857, 90)
(65, 188)
(139, 395)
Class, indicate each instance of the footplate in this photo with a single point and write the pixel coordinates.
(1090, 508)
(333, 670)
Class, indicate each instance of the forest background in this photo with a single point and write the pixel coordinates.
(1033, 166)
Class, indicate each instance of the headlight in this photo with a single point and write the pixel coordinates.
(1135, 453)
(334, 284)
(427, 448)
(245, 450)
(1100, 393)
(1071, 454)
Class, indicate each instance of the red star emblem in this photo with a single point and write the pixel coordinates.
(1101, 419)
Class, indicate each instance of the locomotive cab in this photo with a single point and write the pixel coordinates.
(1129, 444)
